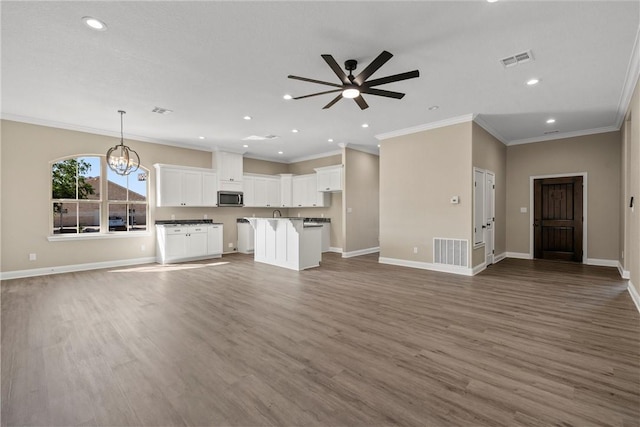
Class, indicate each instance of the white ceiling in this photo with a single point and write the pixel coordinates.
(214, 62)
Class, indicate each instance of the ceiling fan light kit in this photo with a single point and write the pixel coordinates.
(352, 87)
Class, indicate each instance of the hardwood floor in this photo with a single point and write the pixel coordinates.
(353, 343)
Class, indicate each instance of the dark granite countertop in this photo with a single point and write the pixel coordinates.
(186, 222)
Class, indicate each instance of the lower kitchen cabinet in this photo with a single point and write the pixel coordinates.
(177, 242)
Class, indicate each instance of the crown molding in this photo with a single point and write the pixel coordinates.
(630, 81)
(426, 126)
(96, 131)
(564, 135)
(314, 156)
(365, 149)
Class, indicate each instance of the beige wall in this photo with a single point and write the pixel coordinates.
(630, 227)
(307, 166)
(418, 175)
(597, 155)
(361, 197)
(491, 154)
(24, 220)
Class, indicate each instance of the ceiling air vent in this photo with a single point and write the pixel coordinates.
(516, 59)
(160, 110)
(259, 138)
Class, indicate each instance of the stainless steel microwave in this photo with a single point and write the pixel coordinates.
(230, 198)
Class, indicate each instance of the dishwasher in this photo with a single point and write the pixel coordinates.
(245, 236)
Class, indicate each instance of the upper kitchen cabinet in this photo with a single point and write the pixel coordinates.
(184, 186)
(261, 191)
(286, 189)
(230, 170)
(329, 178)
(305, 193)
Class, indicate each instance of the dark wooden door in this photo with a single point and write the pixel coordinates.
(558, 218)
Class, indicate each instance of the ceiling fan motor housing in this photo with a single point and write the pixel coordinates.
(350, 64)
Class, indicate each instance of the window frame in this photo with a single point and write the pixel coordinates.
(103, 202)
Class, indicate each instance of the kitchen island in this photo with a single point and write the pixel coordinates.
(287, 242)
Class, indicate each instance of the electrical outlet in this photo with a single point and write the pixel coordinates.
(173, 217)
(415, 249)
(206, 216)
(349, 210)
(32, 257)
(142, 248)
(230, 245)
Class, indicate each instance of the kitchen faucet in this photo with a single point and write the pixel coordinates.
(279, 213)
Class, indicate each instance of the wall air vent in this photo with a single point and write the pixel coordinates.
(450, 251)
(160, 110)
(516, 59)
(551, 131)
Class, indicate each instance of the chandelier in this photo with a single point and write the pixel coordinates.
(120, 158)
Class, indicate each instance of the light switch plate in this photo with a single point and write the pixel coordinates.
(523, 210)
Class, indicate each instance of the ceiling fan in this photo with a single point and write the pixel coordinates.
(354, 86)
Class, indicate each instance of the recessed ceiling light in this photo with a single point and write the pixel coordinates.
(287, 97)
(491, 1)
(280, 152)
(532, 82)
(330, 140)
(245, 146)
(294, 130)
(365, 125)
(549, 121)
(378, 145)
(94, 24)
(201, 137)
(247, 117)
(433, 107)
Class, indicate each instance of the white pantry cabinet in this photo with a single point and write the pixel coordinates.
(329, 178)
(185, 186)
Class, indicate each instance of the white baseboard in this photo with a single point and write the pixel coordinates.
(602, 262)
(6, 275)
(478, 268)
(336, 250)
(625, 274)
(360, 252)
(427, 266)
(519, 255)
(634, 295)
(500, 257)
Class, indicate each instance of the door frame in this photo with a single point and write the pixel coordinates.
(585, 209)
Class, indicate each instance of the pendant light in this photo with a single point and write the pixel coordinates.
(120, 158)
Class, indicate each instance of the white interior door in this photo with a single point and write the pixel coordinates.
(489, 213)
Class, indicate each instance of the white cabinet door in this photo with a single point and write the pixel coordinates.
(197, 239)
(248, 185)
(230, 166)
(329, 178)
(286, 190)
(299, 191)
(273, 192)
(260, 192)
(191, 188)
(209, 189)
(169, 187)
(214, 245)
(175, 245)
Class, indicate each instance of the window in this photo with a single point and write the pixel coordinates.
(83, 202)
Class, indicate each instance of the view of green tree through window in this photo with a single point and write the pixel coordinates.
(78, 204)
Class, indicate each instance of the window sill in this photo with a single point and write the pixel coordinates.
(97, 236)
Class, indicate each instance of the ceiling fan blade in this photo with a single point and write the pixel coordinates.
(373, 67)
(333, 101)
(394, 78)
(380, 92)
(336, 69)
(319, 93)
(361, 102)
(304, 79)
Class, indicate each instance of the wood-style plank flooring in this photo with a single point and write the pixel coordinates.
(353, 343)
